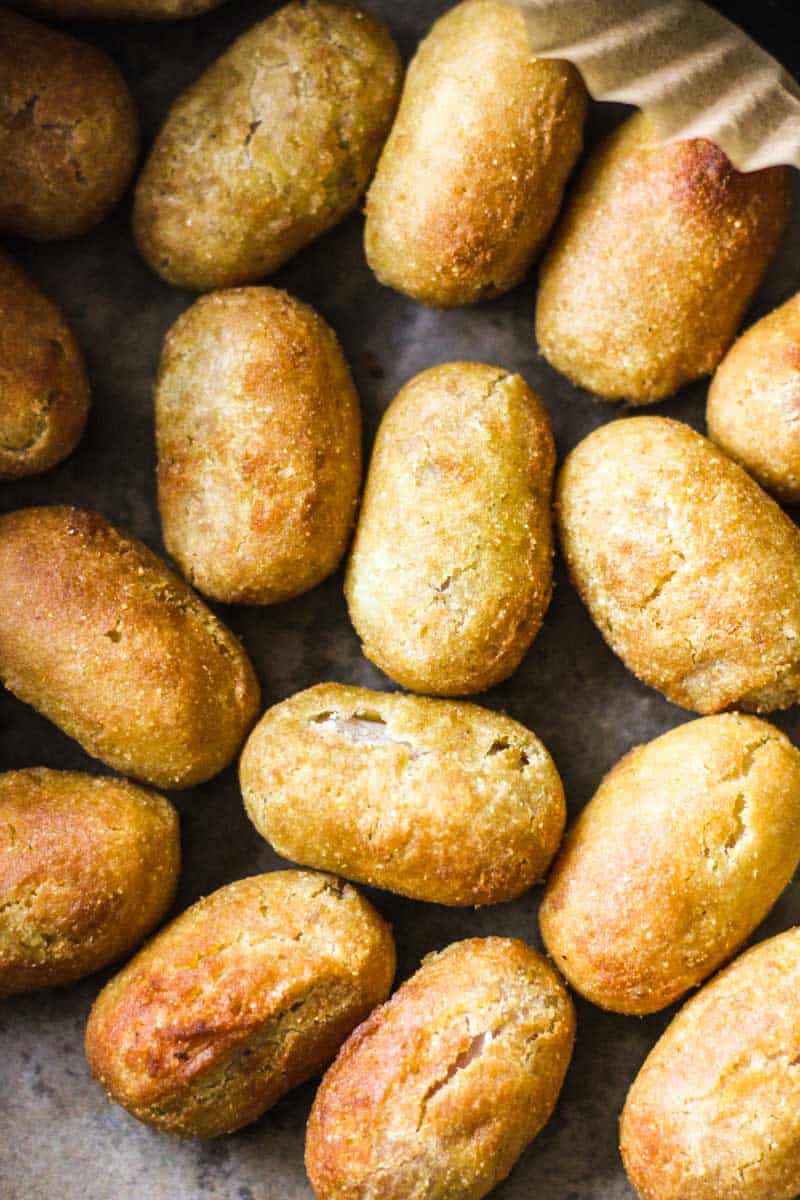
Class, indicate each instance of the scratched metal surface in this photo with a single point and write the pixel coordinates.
(58, 1135)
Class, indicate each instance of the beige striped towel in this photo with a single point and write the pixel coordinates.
(694, 72)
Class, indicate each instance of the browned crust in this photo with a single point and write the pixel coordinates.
(441, 801)
(88, 867)
(104, 640)
(251, 164)
(438, 1093)
(44, 388)
(244, 996)
(715, 1110)
(450, 573)
(680, 854)
(753, 409)
(654, 263)
(258, 428)
(472, 175)
(69, 132)
(690, 571)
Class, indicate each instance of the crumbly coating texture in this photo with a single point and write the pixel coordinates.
(259, 446)
(247, 994)
(88, 867)
(451, 570)
(69, 132)
(654, 263)
(715, 1110)
(681, 853)
(438, 800)
(753, 409)
(472, 175)
(439, 1092)
(104, 640)
(118, 10)
(44, 388)
(273, 145)
(690, 571)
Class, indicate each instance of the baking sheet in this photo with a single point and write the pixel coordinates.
(59, 1137)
